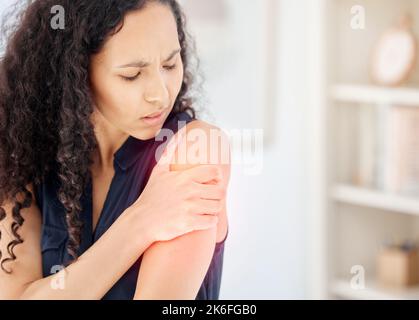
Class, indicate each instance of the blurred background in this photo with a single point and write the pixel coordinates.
(333, 213)
(327, 206)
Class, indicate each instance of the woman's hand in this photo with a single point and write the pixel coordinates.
(177, 202)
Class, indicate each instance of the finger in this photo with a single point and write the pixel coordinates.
(204, 222)
(163, 164)
(207, 191)
(205, 206)
(204, 173)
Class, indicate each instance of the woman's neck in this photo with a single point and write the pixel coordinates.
(109, 139)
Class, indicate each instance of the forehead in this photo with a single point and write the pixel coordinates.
(146, 32)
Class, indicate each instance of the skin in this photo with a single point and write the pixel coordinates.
(119, 104)
(148, 35)
(171, 269)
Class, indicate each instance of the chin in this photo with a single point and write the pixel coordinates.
(147, 133)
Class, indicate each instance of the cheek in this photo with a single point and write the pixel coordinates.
(119, 102)
(176, 83)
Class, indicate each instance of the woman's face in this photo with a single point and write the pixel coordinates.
(139, 72)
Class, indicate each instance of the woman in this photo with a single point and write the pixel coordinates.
(90, 209)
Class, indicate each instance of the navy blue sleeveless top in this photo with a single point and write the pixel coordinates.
(133, 163)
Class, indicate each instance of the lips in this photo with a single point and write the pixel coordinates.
(154, 115)
(155, 118)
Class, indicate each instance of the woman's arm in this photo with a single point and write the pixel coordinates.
(175, 269)
(90, 277)
(98, 269)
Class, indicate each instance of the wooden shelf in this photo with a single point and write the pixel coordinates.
(375, 199)
(348, 223)
(375, 95)
(342, 289)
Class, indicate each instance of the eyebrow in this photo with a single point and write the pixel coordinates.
(143, 64)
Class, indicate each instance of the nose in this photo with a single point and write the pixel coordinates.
(156, 91)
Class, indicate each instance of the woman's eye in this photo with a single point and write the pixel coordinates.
(130, 78)
(137, 75)
(170, 67)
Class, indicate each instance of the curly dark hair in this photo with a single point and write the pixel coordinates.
(45, 101)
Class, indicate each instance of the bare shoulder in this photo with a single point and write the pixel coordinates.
(203, 143)
(200, 125)
(206, 144)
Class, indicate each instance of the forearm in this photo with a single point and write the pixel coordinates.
(97, 269)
